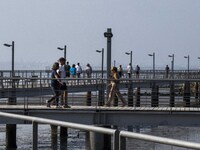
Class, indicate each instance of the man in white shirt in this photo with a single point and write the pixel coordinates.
(129, 70)
(62, 73)
(78, 70)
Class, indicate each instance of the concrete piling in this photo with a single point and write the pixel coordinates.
(54, 137)
(11, 143)
(63, 138)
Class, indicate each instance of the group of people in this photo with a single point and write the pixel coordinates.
(60, 71)
(129, 71)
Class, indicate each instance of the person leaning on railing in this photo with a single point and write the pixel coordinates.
(114, 88)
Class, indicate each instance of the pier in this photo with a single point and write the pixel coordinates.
(154, 101)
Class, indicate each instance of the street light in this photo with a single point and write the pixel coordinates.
(101, 51)
(188, 65)
(172, 65)
(153, 55)
(65, 49)
(131, 60)
(13, 47)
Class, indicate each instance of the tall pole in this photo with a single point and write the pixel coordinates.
(172, 64)
(65, 51)
(188, 65)
(109, 36)
(102, 63)
(154, 65)
(131, 61)
(13, 61)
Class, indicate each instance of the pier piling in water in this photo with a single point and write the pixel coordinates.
(63, 138)
(11, 143)
(137, 97)
(155, 95)
(54, 137)
(186, 96)
(89, 98)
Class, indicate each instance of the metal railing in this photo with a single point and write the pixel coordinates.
(36, 91)
(118, 136)
(156, 139)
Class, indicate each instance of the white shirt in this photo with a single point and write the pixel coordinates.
(129, 69)
(62, 72)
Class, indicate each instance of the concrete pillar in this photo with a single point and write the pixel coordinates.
(155, 96)
(11, 143)
(186, 96)
(137, 97)
(12, 99)
(63, 138)
(87, 141)
(54, 137)
(172, 95)
(89, 98)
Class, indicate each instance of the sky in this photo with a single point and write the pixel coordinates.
(38, 27)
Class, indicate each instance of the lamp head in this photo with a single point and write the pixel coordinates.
(150, 55)
(127, 53)
(7, 45)
(185, 56)
(60, 48)
(98, 51)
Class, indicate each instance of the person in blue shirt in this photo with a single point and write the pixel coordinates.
(55, 85)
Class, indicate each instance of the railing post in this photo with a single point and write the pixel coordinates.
(35, 135)
(116, 140)
(130, 94)
(54, 137)
(63, 138)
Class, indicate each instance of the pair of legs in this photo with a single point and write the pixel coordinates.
(115, 90)
(56, 92)
(64, 97)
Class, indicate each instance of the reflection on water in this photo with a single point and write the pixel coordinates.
(76, 139)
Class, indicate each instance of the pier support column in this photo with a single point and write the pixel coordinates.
(137, 97)
(89, 98)
(101, 97)
(100, 141)
(35, 135)
(63, 138)
(130, 95)
(155, 96)
(186, 96)
(172, 94)
(197, 92)
(11, 143)
(54, 137)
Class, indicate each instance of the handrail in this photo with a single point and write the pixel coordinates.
(90, 128)
(161, 140)
(117, 135)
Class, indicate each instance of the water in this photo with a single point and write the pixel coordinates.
(76, 138)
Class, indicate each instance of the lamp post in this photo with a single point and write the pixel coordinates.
(65, 49)
(153, 55)
(102, 60)
(13, 62)
(131, 60)
(188, 64)
(172, 65)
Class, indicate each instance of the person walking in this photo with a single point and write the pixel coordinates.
(129, 70)
(115, 88)
(120, 71)
(55, 85)
(137, 71)
(88, 71)
(167, 71)
(78, 70)
(62, 71)
(67, 70)
(73, 72)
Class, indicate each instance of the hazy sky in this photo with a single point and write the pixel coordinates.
(38, 27)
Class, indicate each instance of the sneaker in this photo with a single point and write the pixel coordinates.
(48, 103)
(66, 106)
